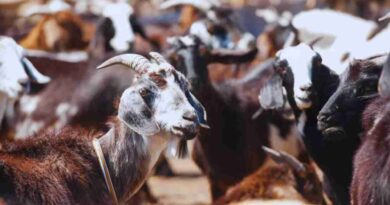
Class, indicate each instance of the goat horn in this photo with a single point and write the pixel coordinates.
(282, 157)
(134, 61)
(161, 60)
(385, 17)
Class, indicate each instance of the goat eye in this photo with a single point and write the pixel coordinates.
(145, 92)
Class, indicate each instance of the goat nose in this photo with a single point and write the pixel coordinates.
(305, 87)
(325, 117)
(190, 116)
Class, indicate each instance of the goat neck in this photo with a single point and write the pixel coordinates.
(130, 158)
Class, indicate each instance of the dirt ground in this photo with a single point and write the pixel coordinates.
(189, 187)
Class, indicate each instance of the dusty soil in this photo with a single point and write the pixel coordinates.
(188, 187)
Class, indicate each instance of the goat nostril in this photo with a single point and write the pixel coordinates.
(305, 87)
(321, 117)
(190, 116)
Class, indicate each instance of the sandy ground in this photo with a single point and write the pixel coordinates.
(189, 187)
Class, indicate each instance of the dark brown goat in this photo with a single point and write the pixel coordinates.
(289, 180)
(371, 164)
(231, 149)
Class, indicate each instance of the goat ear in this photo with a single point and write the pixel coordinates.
(134, 112)
(200, 110)
(271, 95)
(34, 75)
(384, 80)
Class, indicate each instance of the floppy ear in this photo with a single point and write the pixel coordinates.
(34, 75)
(271, 95)
(200, 111)
(384, 80)
(134, 112)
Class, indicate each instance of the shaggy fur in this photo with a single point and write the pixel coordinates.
(64, 169)
(372, 161)
(277, 182)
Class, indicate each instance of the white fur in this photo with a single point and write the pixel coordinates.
(119, 13)
(52, 6)
(12, 73)
(299, 59)
(203, 5)
(199, 29)
(27, 128)
(340, 34)
(28, 104)
(173, 99)
(73, 56)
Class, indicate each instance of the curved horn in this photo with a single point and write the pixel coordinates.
(134, 61)
(159, 59)
(282, 157)
(385, 17)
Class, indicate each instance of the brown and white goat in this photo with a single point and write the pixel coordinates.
(155, 110)
(287, 180)
(16, 71)
(77, 94)
(61, 31)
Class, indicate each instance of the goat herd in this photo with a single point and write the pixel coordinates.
(299, 116)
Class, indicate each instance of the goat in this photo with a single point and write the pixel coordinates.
(370, 175)
(116, 30)
(77, 95)
(215, 26)
(340, 118)
(16, 71)
(61, 31)
(335, 43)
(341, 115)
(291, 180)
(233, 134)
(155, 110)
(309, 85)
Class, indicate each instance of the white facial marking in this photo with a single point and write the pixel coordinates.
(173, 100)
(299, 59)
(119, 13)
(28, 104)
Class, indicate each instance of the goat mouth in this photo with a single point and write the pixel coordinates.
(186, 133)
(334, 133)
(303, 102)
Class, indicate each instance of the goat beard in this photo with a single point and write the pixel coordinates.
(182, 149)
